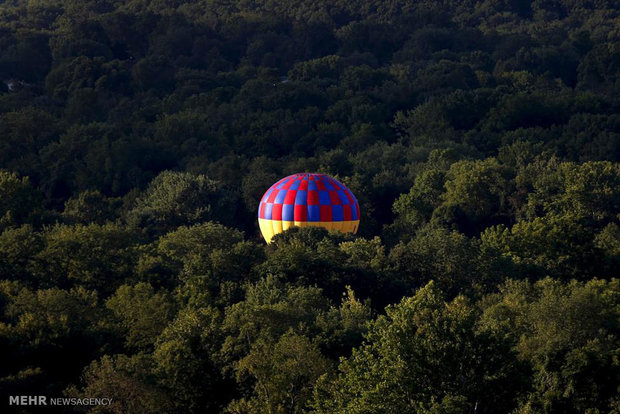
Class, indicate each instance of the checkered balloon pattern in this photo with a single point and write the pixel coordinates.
(307, 200)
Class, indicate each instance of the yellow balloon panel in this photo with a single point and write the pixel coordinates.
(270, 228)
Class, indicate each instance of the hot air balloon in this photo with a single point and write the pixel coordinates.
(305, 200)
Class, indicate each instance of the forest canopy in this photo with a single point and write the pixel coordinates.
(481, 139)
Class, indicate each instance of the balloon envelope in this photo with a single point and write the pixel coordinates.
(305, 200)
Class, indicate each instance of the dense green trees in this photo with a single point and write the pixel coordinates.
(481, 139)
(20, 201)
(428, 355)
(174, 199)
(424, 355)
(567, 334)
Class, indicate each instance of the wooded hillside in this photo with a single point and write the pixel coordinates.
(481, 138)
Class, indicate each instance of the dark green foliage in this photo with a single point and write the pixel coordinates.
(568, 334)
(94, 256)
(91, 207)
(19, 203)
(175, 199)
(140, 313)
(128, 380)
(481, 139)
(424, 355)
(186, 361)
